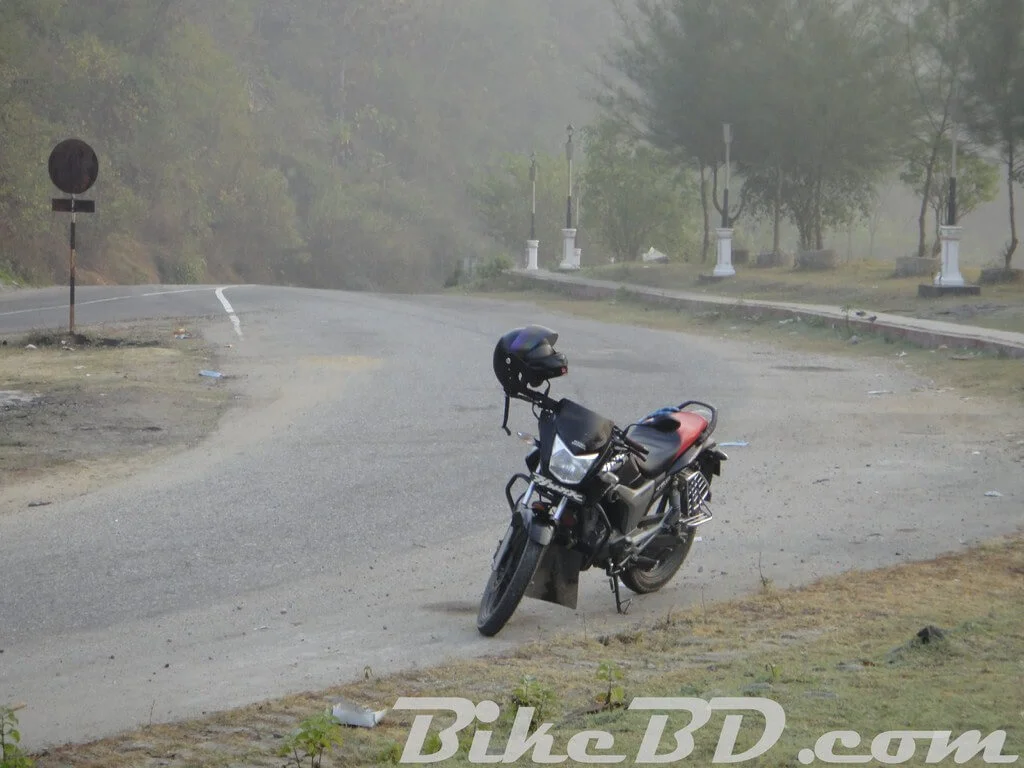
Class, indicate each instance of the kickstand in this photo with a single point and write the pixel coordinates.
(620, 606)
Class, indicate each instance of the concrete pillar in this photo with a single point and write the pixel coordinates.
(578, 254)
(950, 272)
(531, 254)
(569, 249)
(724, 266)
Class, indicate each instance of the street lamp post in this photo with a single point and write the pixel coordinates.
(533, 202)
(532, 243)
(724, 268)
(568, 157)
(569, 260)
(727, 135)
(949, 272)
(951, 218)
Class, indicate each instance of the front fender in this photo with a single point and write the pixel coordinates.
(541, 531)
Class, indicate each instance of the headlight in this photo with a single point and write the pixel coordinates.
(565, 466)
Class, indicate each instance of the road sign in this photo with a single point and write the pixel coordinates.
(73, 166)
(73, 170)
(71, 205)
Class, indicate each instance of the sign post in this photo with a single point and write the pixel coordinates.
(73, 170)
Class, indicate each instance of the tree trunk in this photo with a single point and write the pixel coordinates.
(706, 245)
(814, 235)
(922, 219)
(777, 222)
(819, 243)
(1013, 216)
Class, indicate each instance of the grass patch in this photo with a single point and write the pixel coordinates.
(972, 373)
(843, 653)
(865, 285)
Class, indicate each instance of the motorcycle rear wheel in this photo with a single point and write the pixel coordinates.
(508, 580)
(670, 558)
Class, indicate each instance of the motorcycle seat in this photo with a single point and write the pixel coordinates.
(666, 439)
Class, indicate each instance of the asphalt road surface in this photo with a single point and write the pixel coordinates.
(346, 516)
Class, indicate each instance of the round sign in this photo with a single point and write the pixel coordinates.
(73, 166)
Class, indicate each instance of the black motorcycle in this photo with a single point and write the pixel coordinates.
(627, 501)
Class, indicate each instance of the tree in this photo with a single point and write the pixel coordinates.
(977, 182)
(675, 63)
(502, 195)
(809, 86)
(633, 195)
(933, 59)
(994, 89)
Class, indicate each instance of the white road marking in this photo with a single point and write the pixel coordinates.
(231, 312)
(99, 301)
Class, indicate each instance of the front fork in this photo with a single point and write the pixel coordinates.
(540, 530)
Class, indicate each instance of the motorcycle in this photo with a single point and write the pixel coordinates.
(627, 501)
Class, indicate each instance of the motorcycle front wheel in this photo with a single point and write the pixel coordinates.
(509, 578)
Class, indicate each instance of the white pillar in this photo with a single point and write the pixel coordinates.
(724, 266)
(950, 274)
(531, 254)
(569, 249)
(578, 254)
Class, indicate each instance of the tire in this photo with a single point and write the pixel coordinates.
(508, 580)
(670, 558)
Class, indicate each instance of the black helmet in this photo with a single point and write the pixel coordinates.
(526, 357)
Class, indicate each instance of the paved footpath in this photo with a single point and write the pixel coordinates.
(927, 333)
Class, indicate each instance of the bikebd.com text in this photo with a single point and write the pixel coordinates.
(599, 747)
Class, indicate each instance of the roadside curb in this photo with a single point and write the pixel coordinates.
(925, 333)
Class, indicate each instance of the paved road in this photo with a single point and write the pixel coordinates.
(347, 518)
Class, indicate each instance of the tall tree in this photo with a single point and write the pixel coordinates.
(675, 69)
(994, 89)
(933, 58)
(977, 183)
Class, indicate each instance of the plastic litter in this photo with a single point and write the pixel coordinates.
(994, 494)
(182, 333)
(212, 374)
(656, 256)
(350, 713)
(881, 392)
(31, 346)
(735, 444)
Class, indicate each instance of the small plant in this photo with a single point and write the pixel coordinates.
(846, 308)
(495, 266)
(390, 755)
(316, 735)
(611, 673)
(11, 754)
(530, 693)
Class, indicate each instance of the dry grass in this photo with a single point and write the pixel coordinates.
(103, 395)
(840, 653)
(866, 285)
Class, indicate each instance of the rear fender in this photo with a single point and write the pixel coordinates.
(711, 458)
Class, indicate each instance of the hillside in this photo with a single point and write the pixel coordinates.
(320, 143)
(309, 142)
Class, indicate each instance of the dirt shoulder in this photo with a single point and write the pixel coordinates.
(79, 411)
